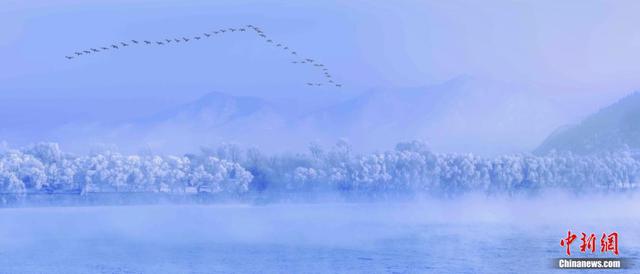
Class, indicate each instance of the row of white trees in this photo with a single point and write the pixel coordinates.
(43, 168)
(410, 168)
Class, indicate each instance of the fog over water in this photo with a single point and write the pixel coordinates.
(470, 234)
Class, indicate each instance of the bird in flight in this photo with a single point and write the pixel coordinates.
(86, 51)
(242, 29)
(310, 84)
(232, 29)
(269, 41)
(159, 43)
(185, 39)
(69, 57)
(197, 37)
(215, 32)
(206, 34)
(134, 41)
(78, 53)
(338, 85)
(104, 48)
(223, 30)
(309, 60)
(147, 42)
(124, 44)
(94, 50)
(168, 40)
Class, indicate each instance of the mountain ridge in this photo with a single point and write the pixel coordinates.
(614, 127)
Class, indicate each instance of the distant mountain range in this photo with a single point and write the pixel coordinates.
(612, 128)
(460, 115)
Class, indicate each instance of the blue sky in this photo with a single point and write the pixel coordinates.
(584, 49)
(368, 43)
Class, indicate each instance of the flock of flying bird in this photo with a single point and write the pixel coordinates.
(299, 60)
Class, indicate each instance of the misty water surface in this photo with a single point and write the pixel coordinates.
(468, 235)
